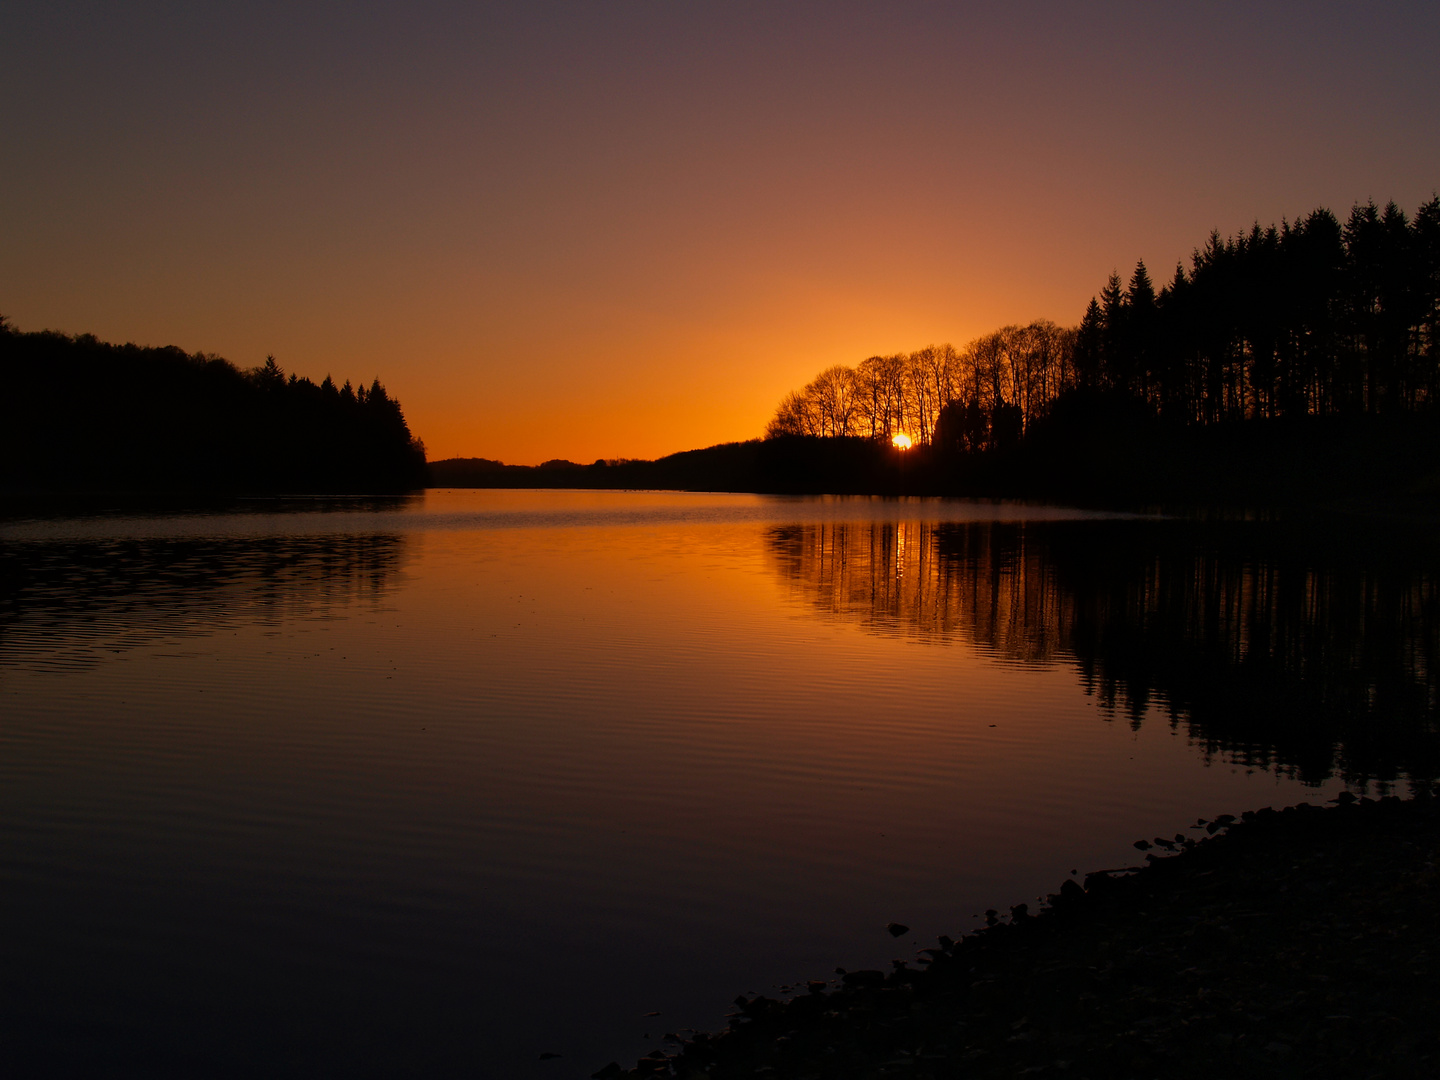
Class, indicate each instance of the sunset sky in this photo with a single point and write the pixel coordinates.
(615, 229)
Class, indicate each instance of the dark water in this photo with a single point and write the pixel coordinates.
(435, 786)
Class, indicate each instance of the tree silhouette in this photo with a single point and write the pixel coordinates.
(81, 414)
(1306, 319)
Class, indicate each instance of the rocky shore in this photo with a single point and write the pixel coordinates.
(1285, 943)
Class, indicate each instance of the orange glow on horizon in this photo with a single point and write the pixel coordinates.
(631, 231)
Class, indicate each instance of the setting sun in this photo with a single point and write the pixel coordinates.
(901, 441)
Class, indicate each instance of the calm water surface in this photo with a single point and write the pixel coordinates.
(433, 787)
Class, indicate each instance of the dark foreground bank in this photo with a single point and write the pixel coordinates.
(1292, 943)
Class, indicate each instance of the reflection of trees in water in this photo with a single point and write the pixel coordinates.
(68, 603)
(906, 577)
(1307, 649)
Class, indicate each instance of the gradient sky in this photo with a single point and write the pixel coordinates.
(623, 229)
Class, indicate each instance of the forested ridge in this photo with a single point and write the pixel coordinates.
(79, 414)
(1291, 364)
(1313, 318)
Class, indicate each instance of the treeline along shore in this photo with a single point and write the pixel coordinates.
(1298, 362)
(79, 415)
(1290, 363)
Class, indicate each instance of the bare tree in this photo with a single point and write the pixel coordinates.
(1014, 368)
(796, 415)
(870, 397)
(833, 396)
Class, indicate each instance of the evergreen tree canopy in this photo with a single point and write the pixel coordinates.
(81, 414)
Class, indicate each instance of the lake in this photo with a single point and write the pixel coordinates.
(435, 786)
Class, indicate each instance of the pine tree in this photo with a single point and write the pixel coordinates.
(1114, 370)
(1089, 346)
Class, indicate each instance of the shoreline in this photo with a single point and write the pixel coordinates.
(1292, 942)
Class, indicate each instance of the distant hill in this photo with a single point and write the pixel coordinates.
(82, 415)
(792, 465)
(728, 467)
